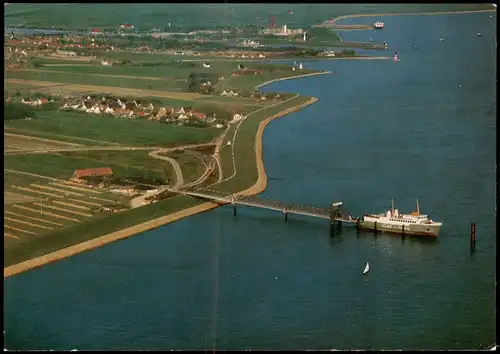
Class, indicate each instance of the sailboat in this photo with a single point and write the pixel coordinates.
(367, 269)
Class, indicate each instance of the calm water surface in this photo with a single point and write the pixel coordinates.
(381, 129)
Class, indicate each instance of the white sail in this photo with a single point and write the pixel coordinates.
(367, 268)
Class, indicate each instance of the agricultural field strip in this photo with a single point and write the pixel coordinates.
(71, 205)
(18, 229)
(43, 212)
(88, 190)
(32, 218)
(63, 210)
(114, 90)
(130, 92)
(116, 163)
(58, 190)
(28, 223)
(102, 75)
(37, 192)
(60, 135)
(11, 236)
(27, 137)
(32, 175)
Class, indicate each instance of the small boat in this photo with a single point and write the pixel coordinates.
(367, 268)
(378, 25)
(370, 40)
(479, 34)
(396, 58)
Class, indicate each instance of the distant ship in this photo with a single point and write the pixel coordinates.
(396, 58)
(378, 25)
(409, 224)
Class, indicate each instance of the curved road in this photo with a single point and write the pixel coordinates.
(177, 168)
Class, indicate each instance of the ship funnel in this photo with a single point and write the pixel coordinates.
(418, 208)
(392, 208)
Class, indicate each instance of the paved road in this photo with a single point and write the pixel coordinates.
(179, 179)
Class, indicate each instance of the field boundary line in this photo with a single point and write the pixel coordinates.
(32, 218)
(71, 205)
(57, 190)
(35, 191)
(63, 210)
(20, 230)
(31, 174)
(27, 223)
(103, 199)
(85, 202)
(46, 213)
(76, 188)
(11, 236)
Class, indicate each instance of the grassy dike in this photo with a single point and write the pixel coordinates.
(100, 231)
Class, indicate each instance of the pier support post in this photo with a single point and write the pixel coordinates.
(286, 216)
(472, 236)
(234, 210)
(358, 225)
(339, 225)
(403, 230)
(375, 227)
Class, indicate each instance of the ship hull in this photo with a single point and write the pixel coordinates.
(413, 229)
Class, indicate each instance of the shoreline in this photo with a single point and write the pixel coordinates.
(258, 187)
(332, 22)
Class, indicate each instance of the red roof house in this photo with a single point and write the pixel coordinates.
(93, 172)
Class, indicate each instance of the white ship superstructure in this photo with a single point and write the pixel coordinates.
(411, 224)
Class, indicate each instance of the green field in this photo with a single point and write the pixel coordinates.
(130, 132)
(84, 79)
(137, 162)
(191, 164)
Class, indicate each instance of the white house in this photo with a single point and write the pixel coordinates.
(104, 63)
(119, 102)
(219, 126)
(182, 116)
(300, 66)
(181, 111)
(97, 110)
(232, 93)
(66, 105)
(224, 93)
(109, 110)
(206, 65)
(262, 55)
(151, 107)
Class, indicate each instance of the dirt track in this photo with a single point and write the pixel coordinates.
(119, 91)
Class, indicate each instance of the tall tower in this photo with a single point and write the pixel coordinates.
(271, 22)
(304, 37)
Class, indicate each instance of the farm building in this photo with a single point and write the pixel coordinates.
(80, 174)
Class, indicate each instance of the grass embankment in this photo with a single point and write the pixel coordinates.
(244, 149)
(128, 132)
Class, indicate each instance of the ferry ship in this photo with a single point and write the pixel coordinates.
(408, 224)
(378, 25)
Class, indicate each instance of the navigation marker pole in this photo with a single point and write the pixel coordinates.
(472, 236)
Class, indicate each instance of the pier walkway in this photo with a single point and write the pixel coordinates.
(333, 213)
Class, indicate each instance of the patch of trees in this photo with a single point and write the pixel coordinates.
(348, 52)
(12, 111)
(196, 80)
(307, 52)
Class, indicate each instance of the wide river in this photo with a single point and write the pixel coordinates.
(422, 128)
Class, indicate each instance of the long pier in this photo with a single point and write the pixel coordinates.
(334, 214)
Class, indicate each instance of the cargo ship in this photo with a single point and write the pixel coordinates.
(378, 25)
(408, 224)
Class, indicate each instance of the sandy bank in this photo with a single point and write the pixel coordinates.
(332, 22)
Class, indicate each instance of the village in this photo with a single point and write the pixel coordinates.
(137, 108)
